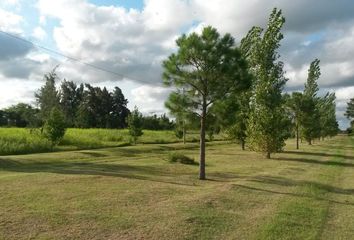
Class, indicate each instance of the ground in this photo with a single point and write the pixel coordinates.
(133, 192)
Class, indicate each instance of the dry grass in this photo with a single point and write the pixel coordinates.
(134, 193)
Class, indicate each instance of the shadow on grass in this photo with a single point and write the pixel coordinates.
(320, 154)
(148, 173)
(280, 181)
(313, 161)
(292, 194)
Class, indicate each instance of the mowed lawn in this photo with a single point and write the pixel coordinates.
(133, 192)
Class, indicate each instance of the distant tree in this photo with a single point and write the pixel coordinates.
(71, 96)
(233, 116)
(55, 126)
(120, 111)
(104, 108)
(349, 113)
(47, 97)
(311, 129)
(101, 108)
(295, 106)
(135, 124)
(179, 106)
(208, 67)
(267, 123)
(21, 115)
(327, 110)
(3, 118)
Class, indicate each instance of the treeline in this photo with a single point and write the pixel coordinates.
(83, 106)
(349, 113)
(240, 90)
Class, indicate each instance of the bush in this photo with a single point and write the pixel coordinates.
(135, 122)
(180, 158)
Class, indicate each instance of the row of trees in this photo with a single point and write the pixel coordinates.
(240, 89)
(83, 106)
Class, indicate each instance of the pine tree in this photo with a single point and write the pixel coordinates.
(208, 67)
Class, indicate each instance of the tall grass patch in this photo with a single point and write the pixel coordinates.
(21, 141)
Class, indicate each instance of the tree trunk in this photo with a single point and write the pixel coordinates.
(202, 142)
(297, 136)
(243, 144)
(310, 143)
(184, 133)
(268, 155)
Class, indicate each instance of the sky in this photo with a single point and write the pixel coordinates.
(133, 37)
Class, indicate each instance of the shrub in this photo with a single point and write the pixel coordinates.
(135, 123)
(54, 128)
(180, 158)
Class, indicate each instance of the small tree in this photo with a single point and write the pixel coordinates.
(55, 126)
(135, 123)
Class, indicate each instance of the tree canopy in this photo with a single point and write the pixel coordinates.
(208, 67)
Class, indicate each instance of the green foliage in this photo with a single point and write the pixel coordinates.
(102, 109)
(20, 115)
(175, 157)
(155, 122)
(135, 124)
(310, 113)
(71, 97)
(327, 110)
(267, 124)
(349, 113)
(206, 69)
(55, 126)
(47, 97)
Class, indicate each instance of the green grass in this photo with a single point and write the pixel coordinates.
(132, 192)
(21, 141)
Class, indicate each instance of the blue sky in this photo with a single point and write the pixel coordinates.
(132, 38)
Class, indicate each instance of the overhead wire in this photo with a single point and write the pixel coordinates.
(71, 58)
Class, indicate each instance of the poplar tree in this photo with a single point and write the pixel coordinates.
(267, 123)
(311, 115)
(349, 113)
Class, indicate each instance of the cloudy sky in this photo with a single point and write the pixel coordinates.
(132, 37)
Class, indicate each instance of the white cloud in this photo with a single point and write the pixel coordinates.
(39, 33)
(10, 22)
(16, 90)
(345, 93)
(150, 99)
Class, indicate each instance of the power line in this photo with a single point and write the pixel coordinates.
(69, 57)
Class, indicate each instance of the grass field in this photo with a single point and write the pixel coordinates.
(21, 140)
(133, 192)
